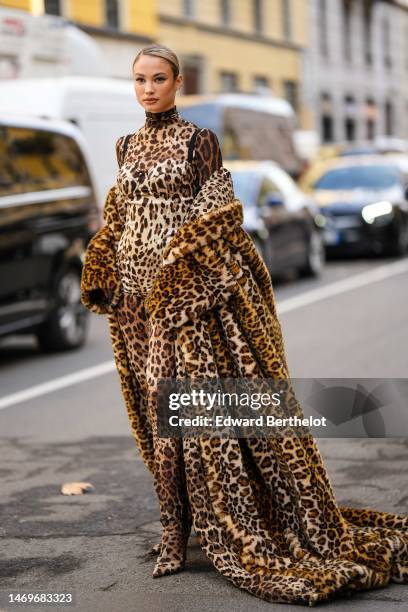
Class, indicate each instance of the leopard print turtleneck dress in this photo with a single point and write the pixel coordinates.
(163, 167)
(161, 170)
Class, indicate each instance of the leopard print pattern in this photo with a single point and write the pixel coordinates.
(101, 292)
(159, 177)
(264, 510)
(153, 345)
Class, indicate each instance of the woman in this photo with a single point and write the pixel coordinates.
(187, 295)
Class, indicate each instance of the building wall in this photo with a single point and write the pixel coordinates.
(25, 5)
(136, 16)
(137, 27)
(142, 17)
(237, 47)
(206, 46)
(89, 12)
(339, 78)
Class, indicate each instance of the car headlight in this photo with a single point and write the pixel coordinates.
(378, 209)
(320, 220)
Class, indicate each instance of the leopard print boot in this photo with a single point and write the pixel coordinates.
(156, 548)
(175, 515)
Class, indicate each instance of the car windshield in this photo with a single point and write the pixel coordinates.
(246, 185)
(373, 178)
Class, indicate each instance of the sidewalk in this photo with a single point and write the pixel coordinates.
(95, 546)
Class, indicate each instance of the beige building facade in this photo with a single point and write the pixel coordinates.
(224, 45)
(356, 69)
(238, 46)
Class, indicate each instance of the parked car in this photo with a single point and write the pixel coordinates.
(48, 212)
(401, 161)
(102, 108)
(284, 224)
(364, 202)
(380, 145)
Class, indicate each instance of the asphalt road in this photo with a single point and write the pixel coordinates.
(352, 322)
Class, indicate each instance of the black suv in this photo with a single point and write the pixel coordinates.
(48, 212)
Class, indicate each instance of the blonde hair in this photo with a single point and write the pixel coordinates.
(160, 51)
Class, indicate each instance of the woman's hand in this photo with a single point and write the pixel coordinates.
(98, 296)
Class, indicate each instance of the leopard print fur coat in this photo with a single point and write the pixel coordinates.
(263, 509)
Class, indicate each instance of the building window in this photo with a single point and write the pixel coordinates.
(112, 13)
(257, 9)
(228, 82)
(371, 117)
(327, 128)
(192, 73)
(347, 29)
(189, 8)
(326, 118)
(52, 7)
(290, 89)
(349, 129)
(367, 23)
(386, 43)
(389, 118)
(286, 19)
(349, 118)
(226, 12)
(323, 31)
(261, 84)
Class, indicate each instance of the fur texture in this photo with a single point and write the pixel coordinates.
(263, 509)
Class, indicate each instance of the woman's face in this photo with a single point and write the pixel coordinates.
(155, 85)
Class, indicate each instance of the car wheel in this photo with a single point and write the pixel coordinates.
(67, 326)
(315, 256)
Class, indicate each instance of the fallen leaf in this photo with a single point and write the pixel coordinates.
(76, 488)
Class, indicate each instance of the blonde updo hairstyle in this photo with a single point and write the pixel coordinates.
(160, 51)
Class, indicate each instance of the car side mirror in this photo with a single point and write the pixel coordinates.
(274, 198)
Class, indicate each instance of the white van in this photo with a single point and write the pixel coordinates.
(102, 108)
(248, 126)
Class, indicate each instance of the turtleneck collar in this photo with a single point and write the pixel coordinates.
(167, 116)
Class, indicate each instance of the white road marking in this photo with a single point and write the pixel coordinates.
(342, 286)
(57, 383)
(298, 301)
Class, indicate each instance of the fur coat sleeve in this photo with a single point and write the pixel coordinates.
(100, 286)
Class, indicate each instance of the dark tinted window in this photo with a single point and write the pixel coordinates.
(359, 177)
(37, 160)
(52, 7)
